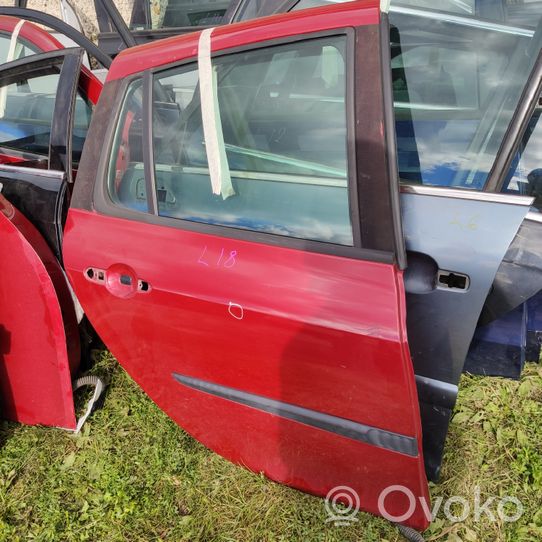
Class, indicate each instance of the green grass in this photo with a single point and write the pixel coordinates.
(134, 475)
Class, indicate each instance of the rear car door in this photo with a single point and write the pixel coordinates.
(234, 238)
(453, 123)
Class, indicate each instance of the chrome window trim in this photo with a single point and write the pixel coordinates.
(25, 170)
(534, 216)
(465, 21)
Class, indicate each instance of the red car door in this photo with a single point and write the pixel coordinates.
(234, 239)
(39, 340)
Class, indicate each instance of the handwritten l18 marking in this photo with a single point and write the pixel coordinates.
(228, 263)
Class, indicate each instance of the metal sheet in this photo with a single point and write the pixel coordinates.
(467, 236)
(519, 276)
(39, 342)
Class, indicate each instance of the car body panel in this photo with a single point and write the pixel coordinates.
(460, 235)
(280, 324)
(40, 344)
(280, 358)
(457, 229)
(446, 245)
(40, 335)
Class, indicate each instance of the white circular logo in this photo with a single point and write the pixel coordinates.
(342, 505)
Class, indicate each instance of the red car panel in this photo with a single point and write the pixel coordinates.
(167, 51)
(40, 349)
(39, 346)
(323, 332)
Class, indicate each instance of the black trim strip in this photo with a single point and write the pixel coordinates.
(97, 142)
(436, 392)
(374, 188)
(350, 123)
(333, 424)
(391, 146)
(60, 145)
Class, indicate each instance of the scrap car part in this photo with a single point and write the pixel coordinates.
(39, 339)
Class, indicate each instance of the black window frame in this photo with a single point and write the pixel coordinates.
(68, 62)
(390, 250)
(53, 182)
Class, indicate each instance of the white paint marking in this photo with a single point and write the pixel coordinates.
(236, 310)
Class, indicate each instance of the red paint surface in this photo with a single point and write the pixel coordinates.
(45, 42)
(39, 341)
(37, 323)
(36, 35)
(8, 159)
(166, 51)
(322, 332)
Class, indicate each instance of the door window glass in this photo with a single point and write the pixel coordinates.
(525, 176)
(283, 118)
(22, 48)
(26, 117)
(126, 179)
(456, 86)
(177, 13)
(26, 114)
(512, 12)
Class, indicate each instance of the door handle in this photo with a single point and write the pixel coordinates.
(452, 280)
(119, 279)
(423, 275)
